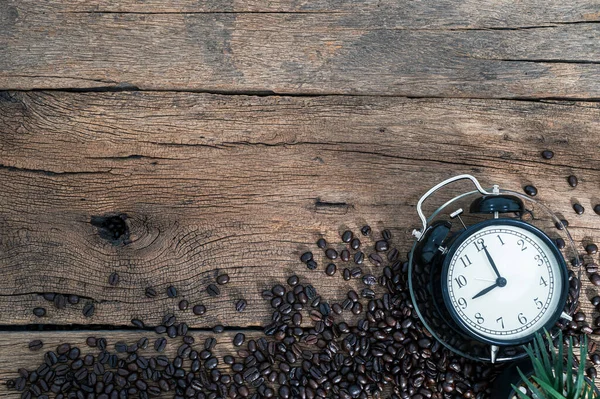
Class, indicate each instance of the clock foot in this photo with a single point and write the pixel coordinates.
(565, 316)
(494, 352)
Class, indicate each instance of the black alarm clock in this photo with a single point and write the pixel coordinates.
(485, 281)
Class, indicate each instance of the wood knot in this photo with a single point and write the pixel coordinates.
(113, 228)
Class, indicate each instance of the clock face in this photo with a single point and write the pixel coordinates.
(504, 281)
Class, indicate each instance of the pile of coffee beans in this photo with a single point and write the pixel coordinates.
(369, 344)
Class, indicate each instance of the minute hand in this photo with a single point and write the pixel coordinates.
(491, 262)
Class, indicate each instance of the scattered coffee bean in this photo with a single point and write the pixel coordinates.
(345, 255)
(597, 209)
(36, 345)
(359, 257)
(239, 339)
(311, 265)
(547, 154)
(240, 305)
(347, 236)
(213, 290)
(60, 302)
(172, 292)
(39, 312)
(293, 281)
(355, 244)
(199, 310)
(321, 243)
(137, 323)
(331, 253)
(330, 269)
(160, 344)
(578, 208)
(218, 329)
(375, 259)
(591, 249)
(150, 292)
(365, 230)
(222, 279)
(73, 299)
(595, 300)
(530, 190)
(381, 246)
(386, 234)
(595, 279)
(560, 243)
(563, 223)
(183, 304)
(113, 279)
(88, 309)
(305, 257)
(572, 180)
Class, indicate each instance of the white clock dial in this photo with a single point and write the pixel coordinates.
(517, 297)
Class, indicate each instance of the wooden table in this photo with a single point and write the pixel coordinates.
(232, 134)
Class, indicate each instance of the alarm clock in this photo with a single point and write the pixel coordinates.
(484, 281)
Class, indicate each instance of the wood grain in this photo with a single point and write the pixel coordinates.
(419, 49)
(244, 185)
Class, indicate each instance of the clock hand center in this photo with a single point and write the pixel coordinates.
(500, 282)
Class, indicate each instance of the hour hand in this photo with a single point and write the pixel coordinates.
(485, 291)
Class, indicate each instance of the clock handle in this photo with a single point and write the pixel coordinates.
(419, 233)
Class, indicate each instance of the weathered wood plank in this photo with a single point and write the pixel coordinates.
(243, 185)
(422, 49)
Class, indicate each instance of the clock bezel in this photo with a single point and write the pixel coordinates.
(463, 236)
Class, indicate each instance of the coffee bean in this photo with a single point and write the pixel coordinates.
(572, 180)
(39, 312)
(36, 345)
(578, 208)
(369, 279)
(321, 243)
(563, 223)
(365, 230)
(330, 269)
(306, 256)
(347, 236)
(150, 292)
(171, 292)
(278, 290)
(591, 249)
(355, 244)
(73, 299)
(530, 190)
(345, 255)
(560, 243)
(239, 339)
(137, 323)
(595, 279)
(240, 305)
(381, 246)
(359, 257)
(213, 290)
(218, 329)
(547, 154)
(331, 253)
(293, 280)
(160, 344)
(597, 209)
(311, 265)
(222, 279)
(356, 272)
(375, 259)
(386, 234)
(60, 302)
(88, 309)
(346, 274)
(113, 279)
(199, 310)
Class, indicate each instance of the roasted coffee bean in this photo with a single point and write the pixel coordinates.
(49, 296)
(239, 339)
(365, 230)
(321, 243)
(597, 209)
(381, 246)
(222, 279)
(547, 154)
(240, 305)
(530, 190)
(345, 255)
(359, 257)
(595, 279)
(199, 310)
(60, 302)
(113, 279)
(311, 265)
(160, 344)
(218, 329)
(213, 290)
(331, 253)
(73, 299)
(572, 180)
(183, 304)
(150, 292)
(306, 256)
(578, 208)
(346, 274)
(347, 236)
(591, 249)
(369, 279)
(39, 312)
(562, 224)
(330, 269)
(36, 345)
(356, 272)
(375, 259)
(171, 292)
(560, 243)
